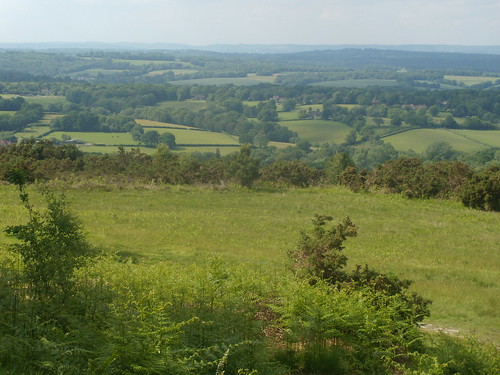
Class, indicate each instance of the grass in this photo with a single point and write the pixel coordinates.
(488, 137)
(222, 150)
(262, 79)
(44, 100)
(109, 139)
(419, 139)
(237, 81)
(196, 137)
(251, 103)
(319, 131)
(153, 62)
(33, 132)
(280, 144)
(176, 72)
(159, 124)
(470, 80)
(113, 149)
(287, 116)
(358, 83)
(449, 251)
(314, 107)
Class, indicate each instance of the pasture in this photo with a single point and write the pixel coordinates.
(470, 80)
(319, 131)
(154, 62)
(449, 251)
(490, 138)
(159, 124)
(199, 137)
(98, 138)
(358, 83)
(32, 132)
(176, 72)
(419, 139)
(287, 116)
(237, 81)
(113, 149)
(39, 99)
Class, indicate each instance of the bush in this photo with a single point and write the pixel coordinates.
(483, 190)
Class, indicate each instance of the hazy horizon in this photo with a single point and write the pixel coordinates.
(209, 22)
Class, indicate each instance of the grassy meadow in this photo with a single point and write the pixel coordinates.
(159, 124)
(358, 83)
(470, 80)
(199, 137)
(237, 81)
(109, 139)
(318, 131)
(41, 99)
(449, 251)
(461, 140)
(32, 132)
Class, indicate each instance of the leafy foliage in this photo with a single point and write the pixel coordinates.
(52, 244)
(483, 190)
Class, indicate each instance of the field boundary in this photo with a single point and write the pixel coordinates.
(399, 132)
(471, 139)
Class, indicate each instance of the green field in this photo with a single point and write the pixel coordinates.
(490, 138)
(225, 150)
(198, 137)
(159, 124)
(32, 132)
(108, 139)
(470, 80)
(358, 83)
(113, 149)
(449, 251)
(313, 107)
(237, 81)
(461, 140)
(153, 62)
(319, 131)
(42, 99)
(287, 116)
(176, 72)
(262, 79)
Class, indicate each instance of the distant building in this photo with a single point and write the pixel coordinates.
(5, 143)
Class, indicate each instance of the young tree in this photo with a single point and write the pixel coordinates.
(319, 252)
(52, 244)
(168, 139)
(337, 164)
(244, 167)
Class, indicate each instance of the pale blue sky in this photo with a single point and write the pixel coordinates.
(203, 22)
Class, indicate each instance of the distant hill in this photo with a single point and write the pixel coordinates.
(372, 58)
(253, 48)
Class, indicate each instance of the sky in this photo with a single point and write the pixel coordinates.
(206, 22)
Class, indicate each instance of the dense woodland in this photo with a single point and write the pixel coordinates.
(68, 308)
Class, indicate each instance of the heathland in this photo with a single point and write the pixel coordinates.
(195, 177)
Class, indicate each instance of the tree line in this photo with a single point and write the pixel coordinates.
(408, 176)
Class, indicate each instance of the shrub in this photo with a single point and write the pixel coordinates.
(483, 190)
